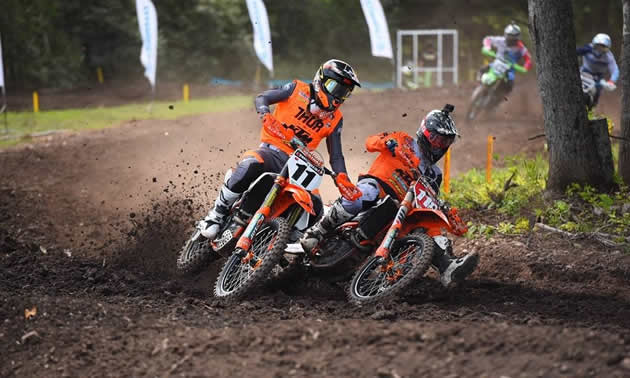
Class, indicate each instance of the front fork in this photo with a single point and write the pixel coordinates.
(386, 245)
(244, 244)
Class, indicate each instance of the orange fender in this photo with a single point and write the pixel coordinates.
(289, 195)
(433, 221)
(301, 196)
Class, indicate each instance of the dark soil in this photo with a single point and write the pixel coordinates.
(91, 223)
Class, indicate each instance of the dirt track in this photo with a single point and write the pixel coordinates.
(111, 208)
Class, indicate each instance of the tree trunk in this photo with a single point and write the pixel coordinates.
(624, 145)
(579, 150)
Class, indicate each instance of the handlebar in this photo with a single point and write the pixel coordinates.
(296, 143)
(491, 53)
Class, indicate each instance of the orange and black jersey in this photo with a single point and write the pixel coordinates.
(292, 101)
(393, 171)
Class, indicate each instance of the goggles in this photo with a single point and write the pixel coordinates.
(338, 90)
(602, 48)
(438, 140)
(441, 141)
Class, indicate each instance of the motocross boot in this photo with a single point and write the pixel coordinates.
(215, 218)
(335, 216)
(453, 269)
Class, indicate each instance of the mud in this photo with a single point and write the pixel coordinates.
(90, 225)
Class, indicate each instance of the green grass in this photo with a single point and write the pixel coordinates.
(581, 210)
(23, 124)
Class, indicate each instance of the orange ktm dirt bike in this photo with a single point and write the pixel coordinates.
(198, 251)
(287, 206)
(341, 251)
(406, 250)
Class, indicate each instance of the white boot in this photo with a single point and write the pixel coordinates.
(457, 269)
(215, 218)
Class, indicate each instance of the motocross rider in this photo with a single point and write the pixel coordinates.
(391, 174)
(308, 111)
(600, 62)
(508, 47)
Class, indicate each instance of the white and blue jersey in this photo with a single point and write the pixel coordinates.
(512, 54)
(600, 65)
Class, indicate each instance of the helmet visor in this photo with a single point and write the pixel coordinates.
(338, 90)
(601, 48)
(511, 40)
(440, 141)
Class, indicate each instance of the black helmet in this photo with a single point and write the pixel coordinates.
(512, 34)
(333, 83)
(436, 133)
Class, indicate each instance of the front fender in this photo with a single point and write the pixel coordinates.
(301, 196)
(432, 220)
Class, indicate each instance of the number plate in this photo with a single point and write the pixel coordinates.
(500, 67)
(423, 199)
(303, 173)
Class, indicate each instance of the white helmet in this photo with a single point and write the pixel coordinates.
(602, 39)
(512, 34)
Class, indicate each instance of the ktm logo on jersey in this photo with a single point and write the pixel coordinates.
(309, 120)
(304, 136)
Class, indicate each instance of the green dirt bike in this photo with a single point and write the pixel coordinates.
(487, 95)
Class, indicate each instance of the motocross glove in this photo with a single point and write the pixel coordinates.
(275, 128)
(348, 190)
(488, 52)
(608, 85)
(391, 145)
(459, 227)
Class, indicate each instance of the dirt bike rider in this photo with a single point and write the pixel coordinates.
(600, 62)
(508, 47)
(309, 111)
(391, 173)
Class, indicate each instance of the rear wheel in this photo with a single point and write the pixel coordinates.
(241, 274)
(378, 280)
(337, 258)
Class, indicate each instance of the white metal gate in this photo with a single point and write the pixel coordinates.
(415, 68)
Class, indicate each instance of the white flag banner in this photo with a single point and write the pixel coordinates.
(147, 21)
(262, 35)
(1, 67)
(377, 24)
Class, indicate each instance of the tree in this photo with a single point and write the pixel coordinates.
(624, 150)
(579, 149)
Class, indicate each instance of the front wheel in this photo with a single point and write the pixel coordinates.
(241, 274)
(476, 103)
(378, 280)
